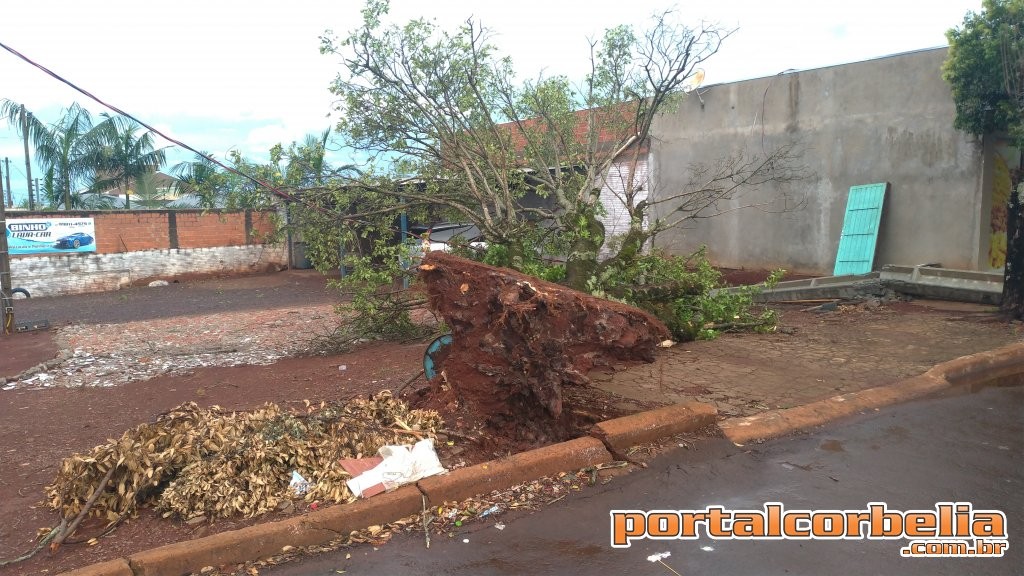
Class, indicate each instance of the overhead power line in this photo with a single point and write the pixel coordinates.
(273, 189)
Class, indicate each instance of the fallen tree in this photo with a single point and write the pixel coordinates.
(518, 340)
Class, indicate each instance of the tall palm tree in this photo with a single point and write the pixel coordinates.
(124, 157)
(64, 150)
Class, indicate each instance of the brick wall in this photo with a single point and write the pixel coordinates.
(198, 230)
(140, 245)
(134, 230)
(128, 231)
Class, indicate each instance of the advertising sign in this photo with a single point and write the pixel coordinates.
(51, 235)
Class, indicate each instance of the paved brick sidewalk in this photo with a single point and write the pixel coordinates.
(815, 356)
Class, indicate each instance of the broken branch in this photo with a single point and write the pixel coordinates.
(85, 510)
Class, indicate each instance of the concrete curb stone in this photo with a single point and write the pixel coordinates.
(118, 567)
(250, 543)
(643, 427)
(338, 521)
(972, 370)
(515, 469)
(984, 366)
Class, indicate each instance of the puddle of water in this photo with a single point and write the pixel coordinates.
(832, 446)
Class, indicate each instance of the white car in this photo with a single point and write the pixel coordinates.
(440, 236)
(423, 239)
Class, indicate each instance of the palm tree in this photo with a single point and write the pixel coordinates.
(64, 150)
(122, 158)
(90, 199)
(201, 179)
(150, 192)
(308, 161)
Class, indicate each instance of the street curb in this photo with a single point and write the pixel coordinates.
(268, 539)
(117, 567)
(622, 433)
(972, 371)
(515, 469)
(258, 541)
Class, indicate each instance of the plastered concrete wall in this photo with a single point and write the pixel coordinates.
(884, 120)
(60, 274)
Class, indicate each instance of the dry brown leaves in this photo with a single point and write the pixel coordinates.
(193, 462)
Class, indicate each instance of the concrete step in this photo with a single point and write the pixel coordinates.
(918, 281)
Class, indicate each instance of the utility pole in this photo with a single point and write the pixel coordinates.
(6, 296)
(7, 171)
(28, 162)
(4, 199)
(36, 188)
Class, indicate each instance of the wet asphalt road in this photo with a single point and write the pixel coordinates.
(958, 448)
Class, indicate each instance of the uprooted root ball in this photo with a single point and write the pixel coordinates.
(519, 342)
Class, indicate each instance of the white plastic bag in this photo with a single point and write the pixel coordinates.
(299, 484)
(401, 465)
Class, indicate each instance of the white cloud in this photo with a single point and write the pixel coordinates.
(252, 73)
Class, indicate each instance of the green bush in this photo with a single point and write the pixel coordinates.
(687, 294)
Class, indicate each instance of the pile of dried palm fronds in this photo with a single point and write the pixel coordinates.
(210, 462)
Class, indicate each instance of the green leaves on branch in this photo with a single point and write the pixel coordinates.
(985, 70)
(686, 294)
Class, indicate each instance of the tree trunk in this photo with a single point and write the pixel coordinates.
(581, 262)
(1013, 277)
(631, 248)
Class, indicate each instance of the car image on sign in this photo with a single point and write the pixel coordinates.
(73, 241)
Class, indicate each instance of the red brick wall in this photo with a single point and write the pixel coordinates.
(135, 230)
(204, 230)
(262, 226)
(129, 231)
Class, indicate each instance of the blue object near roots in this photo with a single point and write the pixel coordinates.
(435, 351)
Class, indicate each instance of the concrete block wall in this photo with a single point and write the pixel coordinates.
(616, 216)
(87, 272)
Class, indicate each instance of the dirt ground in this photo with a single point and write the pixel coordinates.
(159, 347)
(814, 355)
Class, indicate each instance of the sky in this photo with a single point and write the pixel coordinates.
(227, 74)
